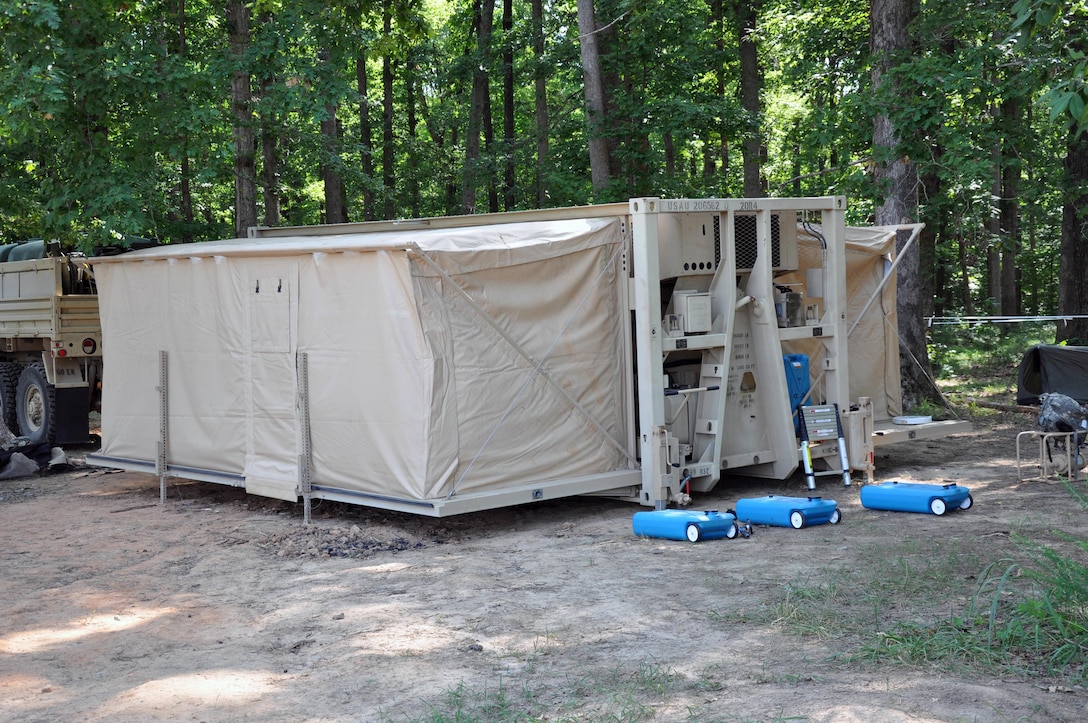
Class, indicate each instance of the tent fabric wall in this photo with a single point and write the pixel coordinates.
(874, 344)
(1052, 368)
(565, 316)
(441, 361)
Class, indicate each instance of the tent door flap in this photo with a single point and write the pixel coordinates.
(271, 467)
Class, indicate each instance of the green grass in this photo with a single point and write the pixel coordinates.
(930, 604)
(619, 695)
(903, 581)
(982, 361)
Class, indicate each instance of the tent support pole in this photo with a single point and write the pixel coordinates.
(305, 457)
(164, 429)
(916, 229)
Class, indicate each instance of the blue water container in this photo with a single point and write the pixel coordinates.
(797, 382)
(795, 512)
(916, 497)
(690, 525)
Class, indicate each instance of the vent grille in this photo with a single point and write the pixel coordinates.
(744, 230)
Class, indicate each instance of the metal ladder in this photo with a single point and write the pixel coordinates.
(822, 424)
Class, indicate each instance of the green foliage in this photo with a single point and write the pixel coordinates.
(981, 361)
(117, 115)
(1061, 26)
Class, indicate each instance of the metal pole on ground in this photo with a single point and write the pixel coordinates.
(164, 423)
(305, 457)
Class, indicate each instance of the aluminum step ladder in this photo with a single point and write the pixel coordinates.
(820, 424)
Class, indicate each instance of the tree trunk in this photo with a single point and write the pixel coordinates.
(186, 186)
(937, 291)
(717, 21)
(270, 173)
(897, 181)
(335, 203)
(934, 230)
(1010, 209)
(1073, 284)
(269, 125)
(993, 222)
(389, 178)
(366, 134)
(670, 155)
(509, 183)
(751, 85)
(335, 207)
(965, 277)
(489, 151)
(599, 162)
(540, 100)
(477, 106)
(412, 171)
(438, 136)
(1036, 306)
(245, 164)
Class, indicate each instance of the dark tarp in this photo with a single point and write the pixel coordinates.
(1053, 368)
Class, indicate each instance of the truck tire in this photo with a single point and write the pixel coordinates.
(9, 382)
(35, 406)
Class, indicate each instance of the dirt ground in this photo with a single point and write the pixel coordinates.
(223, 607)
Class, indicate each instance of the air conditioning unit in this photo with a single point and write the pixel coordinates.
(691, 243)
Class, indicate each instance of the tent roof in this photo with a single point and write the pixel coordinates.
(524, 235)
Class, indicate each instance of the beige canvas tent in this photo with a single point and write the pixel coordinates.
(437, 366)
(415, 391)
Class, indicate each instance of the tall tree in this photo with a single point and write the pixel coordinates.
(751, 85)
(478, 104)
(270, 131)
(412, 166)
(1068, 98)
(366, 132)
(712, 155)
(331, 131)
(1008, 205)
(897, 180)
(540, 101)
(185, 188)
(245, 164)
(509, 182)
(388, 139)
(600, 162)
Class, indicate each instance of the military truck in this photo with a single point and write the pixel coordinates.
(50, 342)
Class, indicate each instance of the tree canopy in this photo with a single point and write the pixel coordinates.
(173, 119)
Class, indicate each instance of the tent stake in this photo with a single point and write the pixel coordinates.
(164, 417)
(305, 457)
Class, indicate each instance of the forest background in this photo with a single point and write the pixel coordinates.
(190, 120)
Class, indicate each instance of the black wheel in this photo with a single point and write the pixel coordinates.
(35, 406)
(731, 532)
(693, 532)
(937, 506)
(9, 382)
(797, 520)
(836, 517)
(967, 502)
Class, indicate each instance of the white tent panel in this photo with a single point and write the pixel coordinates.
(207, 411)
(371, 375)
